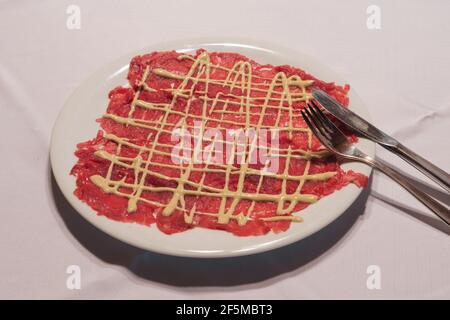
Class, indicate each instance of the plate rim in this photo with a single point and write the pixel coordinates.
(189, 44)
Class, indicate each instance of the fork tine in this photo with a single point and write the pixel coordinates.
(319, 126)
(336, 135)
(327, 123)
(330, 125)
(324, 140)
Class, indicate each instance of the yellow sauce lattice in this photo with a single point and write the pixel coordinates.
(276, 94)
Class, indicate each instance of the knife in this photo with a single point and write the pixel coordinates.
(360, 125)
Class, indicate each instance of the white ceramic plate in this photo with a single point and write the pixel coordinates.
(76, 123)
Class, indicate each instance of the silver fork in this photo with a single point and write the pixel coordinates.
(335, 140)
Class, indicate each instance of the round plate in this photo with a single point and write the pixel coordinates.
(76, 123)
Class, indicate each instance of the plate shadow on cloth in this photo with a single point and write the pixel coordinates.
(180, 271)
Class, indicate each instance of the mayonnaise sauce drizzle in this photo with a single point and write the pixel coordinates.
(238, 77)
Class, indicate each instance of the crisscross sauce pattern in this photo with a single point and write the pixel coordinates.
(136, 171)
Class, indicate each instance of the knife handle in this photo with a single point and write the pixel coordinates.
(426, 167)
(439, 209)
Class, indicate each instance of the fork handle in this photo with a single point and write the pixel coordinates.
(426, 167)
(439, 209)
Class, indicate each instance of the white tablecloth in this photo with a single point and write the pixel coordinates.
(401, 71)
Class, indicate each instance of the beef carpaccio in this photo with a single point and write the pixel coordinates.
(212, 140)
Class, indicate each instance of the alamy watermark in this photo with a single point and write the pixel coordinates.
(226, 146)
(73, 21)
(73, 281)
(373, 281)
(374, 19)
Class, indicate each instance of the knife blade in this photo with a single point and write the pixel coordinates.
(352, 120)
(368, 130)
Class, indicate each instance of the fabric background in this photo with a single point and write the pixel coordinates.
(401, 71)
